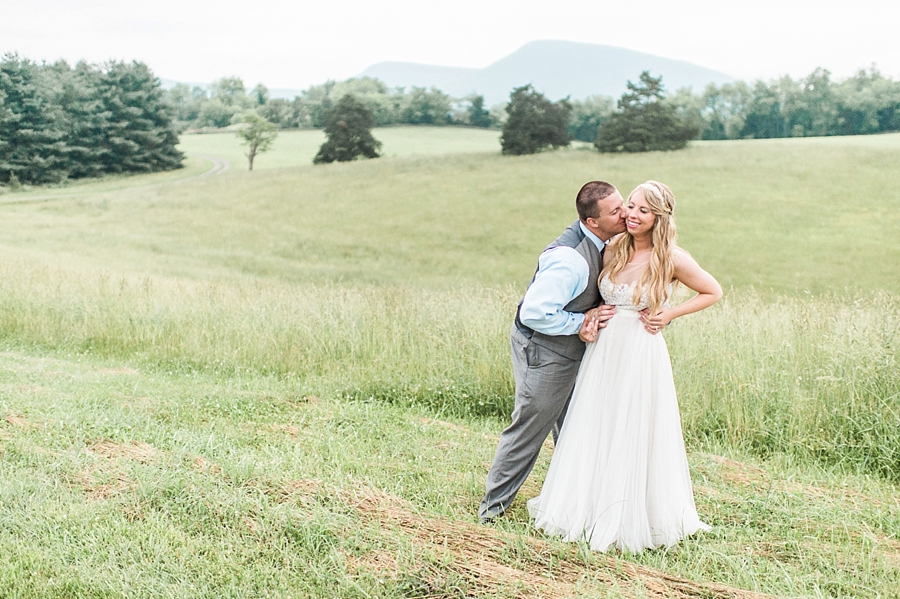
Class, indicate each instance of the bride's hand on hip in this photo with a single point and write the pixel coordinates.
(656, 322)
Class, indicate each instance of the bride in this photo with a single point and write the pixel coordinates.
(619, 475)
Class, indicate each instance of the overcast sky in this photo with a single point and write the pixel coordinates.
(297, 43)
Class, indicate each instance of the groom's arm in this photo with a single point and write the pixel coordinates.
(561, 277)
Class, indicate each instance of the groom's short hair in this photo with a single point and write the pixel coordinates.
(587, 198)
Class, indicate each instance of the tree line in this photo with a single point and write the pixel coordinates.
(223, 102)
(216, 107)
(814, 105)
(59, 122)
(643, 122)
(647, 118)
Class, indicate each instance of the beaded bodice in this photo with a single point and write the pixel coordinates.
(621, 295)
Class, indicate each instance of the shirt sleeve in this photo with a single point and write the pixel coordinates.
(561, 277)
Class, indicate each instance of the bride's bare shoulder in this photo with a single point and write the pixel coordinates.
(679, 254)
(683, 259)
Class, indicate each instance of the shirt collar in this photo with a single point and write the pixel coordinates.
(597, 241)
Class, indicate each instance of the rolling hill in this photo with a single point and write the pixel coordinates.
(556, 68)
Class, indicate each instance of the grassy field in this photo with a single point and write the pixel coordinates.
(289, 382)
(121, 481)
(789, 216)
(297, 148)
(193, 167)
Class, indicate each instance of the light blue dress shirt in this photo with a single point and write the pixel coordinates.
(562, 276)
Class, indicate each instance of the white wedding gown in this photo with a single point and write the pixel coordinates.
(619, 474)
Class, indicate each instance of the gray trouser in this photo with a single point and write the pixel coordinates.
(544, 383)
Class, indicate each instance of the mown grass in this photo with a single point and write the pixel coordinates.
(289, 382)
(121, 481)
(193, 166)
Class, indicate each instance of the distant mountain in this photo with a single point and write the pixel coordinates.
(278, 92)
(170, 83)
(407, 74)
(284, 92)
(555, 68)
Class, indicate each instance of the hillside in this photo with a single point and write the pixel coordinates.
(741, 204)
(556, 68)
(289, 382)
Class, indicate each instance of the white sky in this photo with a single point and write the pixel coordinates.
(297, 43)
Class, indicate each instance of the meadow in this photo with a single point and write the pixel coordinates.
(296, 148)
(289, 382)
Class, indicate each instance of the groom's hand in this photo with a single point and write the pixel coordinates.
(601, 314)
(589, 330)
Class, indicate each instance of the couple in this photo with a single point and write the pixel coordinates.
(619, 474)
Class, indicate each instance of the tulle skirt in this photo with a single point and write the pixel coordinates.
(619, 475)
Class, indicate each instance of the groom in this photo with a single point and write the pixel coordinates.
(546, 349)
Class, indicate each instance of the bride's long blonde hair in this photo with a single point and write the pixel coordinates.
(661, 270)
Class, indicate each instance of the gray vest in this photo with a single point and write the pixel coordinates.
(571, 346)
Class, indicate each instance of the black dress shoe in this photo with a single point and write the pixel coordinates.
(490, 519)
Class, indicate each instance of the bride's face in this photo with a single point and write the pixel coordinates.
(639, 219)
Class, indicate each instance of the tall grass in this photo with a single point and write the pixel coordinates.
(813, 377)
(446, 349)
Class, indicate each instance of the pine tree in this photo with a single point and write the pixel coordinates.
(32, 140)
(644, 122)
(83, 118)
(349, 129)
(140, 136)
(57, 122)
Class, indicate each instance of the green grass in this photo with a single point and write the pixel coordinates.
(816, 378)
(292, 148)
(120, 481)
(297, 148)
(787, 216)
(193, 166)
(289, 382)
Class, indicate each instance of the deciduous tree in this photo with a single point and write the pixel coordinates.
(587, 116)
(427, 107)
(257, 134)
(260, 94)
(349, 129)
(534, 122)
(479, 116)
(763, 116)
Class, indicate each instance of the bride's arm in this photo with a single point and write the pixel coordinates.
(689, 274)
